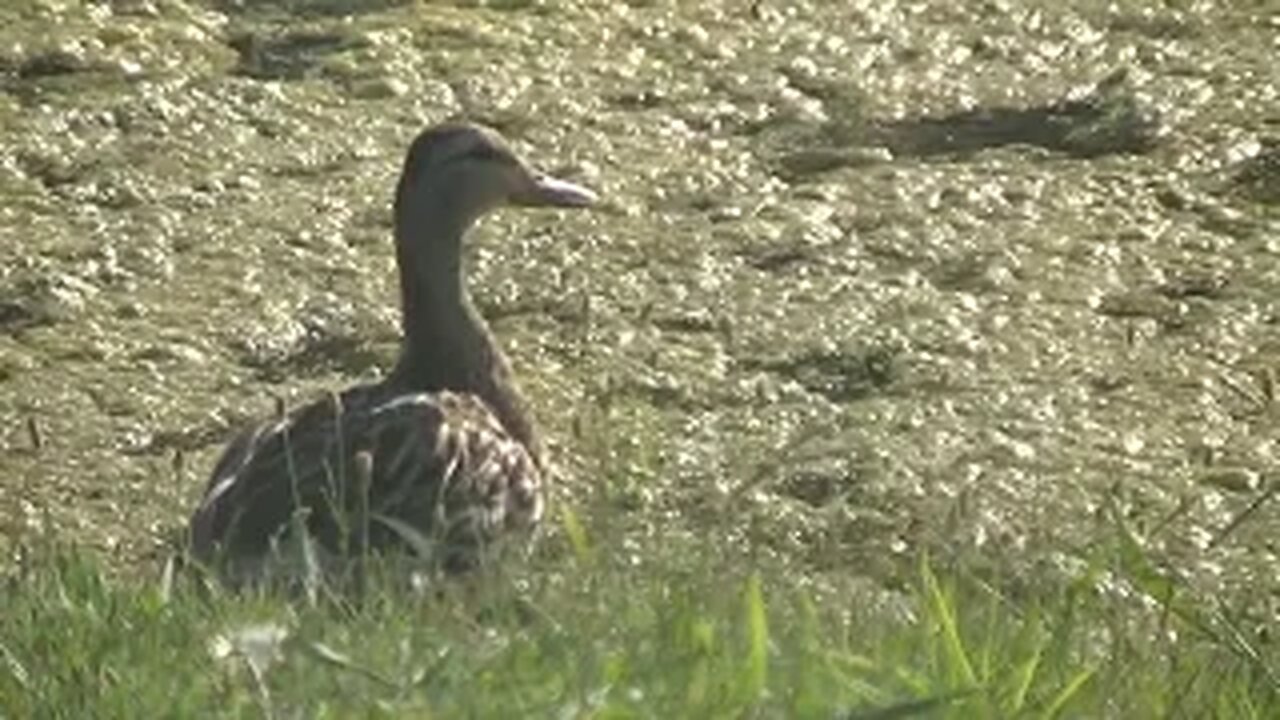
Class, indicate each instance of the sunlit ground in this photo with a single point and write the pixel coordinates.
(870, 279)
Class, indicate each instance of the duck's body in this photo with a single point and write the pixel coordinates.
(444, 445)
(441, 463)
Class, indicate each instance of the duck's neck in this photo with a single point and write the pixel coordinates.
(447, 344)
(443, 334)
(435, 313)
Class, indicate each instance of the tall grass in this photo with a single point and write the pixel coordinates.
(663, 630)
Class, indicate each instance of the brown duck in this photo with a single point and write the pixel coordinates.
(444, 445)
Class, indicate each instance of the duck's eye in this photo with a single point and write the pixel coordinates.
(488, 153)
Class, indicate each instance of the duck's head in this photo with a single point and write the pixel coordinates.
(467, 170)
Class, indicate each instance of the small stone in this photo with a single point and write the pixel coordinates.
(128, 68)
(381, 89)
(136, 8)
(1232, 479)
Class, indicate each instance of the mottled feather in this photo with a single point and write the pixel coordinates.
(441, 463)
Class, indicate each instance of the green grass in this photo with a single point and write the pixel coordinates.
(664, 630)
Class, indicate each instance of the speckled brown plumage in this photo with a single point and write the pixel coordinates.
(454, 452)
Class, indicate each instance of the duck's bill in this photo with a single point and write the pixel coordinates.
(549, 191)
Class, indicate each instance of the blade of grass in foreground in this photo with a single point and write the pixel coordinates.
(757, 638)
(577, 535)
(1059, 703)
(942, 611)
(648, 634)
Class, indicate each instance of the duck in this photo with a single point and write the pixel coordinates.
(445, 444)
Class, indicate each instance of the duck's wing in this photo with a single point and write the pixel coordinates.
(439, 463)
(443, 463)
(274, 469)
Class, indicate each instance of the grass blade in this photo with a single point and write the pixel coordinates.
(757, 638)
(1064, 695)
(577, 536)
(943, 612)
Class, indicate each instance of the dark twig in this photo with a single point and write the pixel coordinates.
(1272, 490)
(33, 432)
